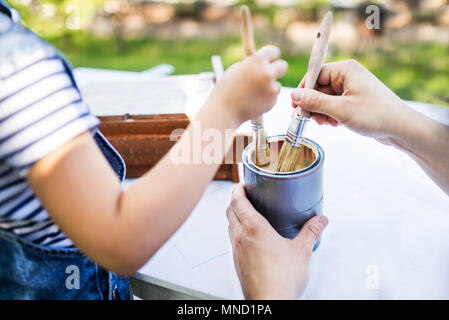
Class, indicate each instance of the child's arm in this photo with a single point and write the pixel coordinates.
(119, 229)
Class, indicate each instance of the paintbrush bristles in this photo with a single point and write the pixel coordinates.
(294, 158)
(288, 157)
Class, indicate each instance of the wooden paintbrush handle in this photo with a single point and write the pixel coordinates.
(248, 45)
(319, 50)
(247, 32)
(318, 54)
(217, 66)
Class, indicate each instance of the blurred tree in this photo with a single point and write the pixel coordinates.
(310, 9)
(57, 17)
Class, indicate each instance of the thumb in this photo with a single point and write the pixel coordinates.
(311, 231)
(316, 101)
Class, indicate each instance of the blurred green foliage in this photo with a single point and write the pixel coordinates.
(415, 72)
(418, 71)
(56, 17)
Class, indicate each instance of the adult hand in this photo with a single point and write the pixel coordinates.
(268, 265)
(347, 93)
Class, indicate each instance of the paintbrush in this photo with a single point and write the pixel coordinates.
(217, 66)
(259, 134)
(292, 152)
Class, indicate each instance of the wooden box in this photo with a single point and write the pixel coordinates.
(138, 114)
(143, 140)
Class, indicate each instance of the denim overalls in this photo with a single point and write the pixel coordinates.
(29, 271)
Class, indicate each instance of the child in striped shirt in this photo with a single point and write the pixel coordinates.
(61, 201)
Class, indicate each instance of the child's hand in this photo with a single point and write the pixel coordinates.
(347, 93)
(249, 88)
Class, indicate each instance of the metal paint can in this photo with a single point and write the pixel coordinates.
(287, 200)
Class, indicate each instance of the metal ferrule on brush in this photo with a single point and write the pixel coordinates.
(296, 129)
(260, 139)
(259, 136)
(257, 127)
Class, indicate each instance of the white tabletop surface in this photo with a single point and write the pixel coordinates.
(388, 236)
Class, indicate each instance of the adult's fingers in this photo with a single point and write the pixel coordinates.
(302, 83)
(323, 119)
(319, 118)
(325, 89)
(332, 121)
(324, 78)
(268, 53)
(311, 231)
(335, 74)
(234, 228)
(232, 218)
(279, 68)
(251, 220)
(315, 101)
(241, 206)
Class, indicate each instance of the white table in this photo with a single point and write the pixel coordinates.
(388, 236)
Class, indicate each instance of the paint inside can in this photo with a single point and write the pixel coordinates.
(275, 146)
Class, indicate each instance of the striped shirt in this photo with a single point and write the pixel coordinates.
(40, 110)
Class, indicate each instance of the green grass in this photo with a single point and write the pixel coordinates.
(415, 72)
